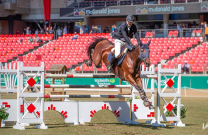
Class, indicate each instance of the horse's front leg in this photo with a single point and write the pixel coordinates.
(131, 80)
(142, 93)
(89, 63)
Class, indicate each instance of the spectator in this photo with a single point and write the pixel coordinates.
(194, 24)
(65, 30)
(179, 29)
(51, 30)
(112, 28)
(24, 31)
(96, 29)
(206, 32)
(202, 28)
(37, 39)
(28, 30)
(185, 67)
(81, 30)
(85, 30)
(31, 40)
(115, 29)
(36, 32)
(0, 2)
(42, 31)
(202, 25)
(106, 30)
(75, 36)
(184, 29)
(205, 26)
(93, 30)
(33, 31)
(47, 30)
(59, 32)
(21, 40)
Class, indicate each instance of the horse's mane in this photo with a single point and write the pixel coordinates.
(91, 46)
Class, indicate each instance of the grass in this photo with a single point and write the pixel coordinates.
(104, 123)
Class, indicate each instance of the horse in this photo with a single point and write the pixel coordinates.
(128, 70)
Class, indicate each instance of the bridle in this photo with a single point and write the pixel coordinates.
(140, 57)
(140, 54)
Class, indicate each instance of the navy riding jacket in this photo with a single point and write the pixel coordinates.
(124, 33)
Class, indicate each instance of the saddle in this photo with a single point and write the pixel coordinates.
(121, 56)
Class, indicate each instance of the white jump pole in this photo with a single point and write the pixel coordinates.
(87, 96)
(87, 75)
(85, 86)
(94, 90)
(75, 75)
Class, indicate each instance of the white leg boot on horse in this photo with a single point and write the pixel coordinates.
(142, 93)
(138, 86)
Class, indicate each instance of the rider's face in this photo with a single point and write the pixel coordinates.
(129, 23)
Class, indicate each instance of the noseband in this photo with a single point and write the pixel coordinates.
(143, 56)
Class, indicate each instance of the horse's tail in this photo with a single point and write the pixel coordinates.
(93, 44)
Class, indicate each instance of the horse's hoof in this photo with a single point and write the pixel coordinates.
(88, 63)
(146, 103)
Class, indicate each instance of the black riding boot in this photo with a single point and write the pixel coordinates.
(111, 63)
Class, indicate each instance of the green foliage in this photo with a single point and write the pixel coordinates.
(130, 100)
(3, 114)
(47, 99)
(183, 112)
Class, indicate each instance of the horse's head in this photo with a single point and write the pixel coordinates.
(144, 52)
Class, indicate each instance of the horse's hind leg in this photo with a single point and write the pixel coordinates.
(138, 85)
(143, 94)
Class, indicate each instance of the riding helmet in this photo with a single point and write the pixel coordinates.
(130, 18)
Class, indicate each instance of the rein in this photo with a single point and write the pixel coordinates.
(138, 63)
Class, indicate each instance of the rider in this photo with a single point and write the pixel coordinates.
(122, 38)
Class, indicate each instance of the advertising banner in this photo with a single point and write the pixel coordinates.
(135, 10)
(196, 82)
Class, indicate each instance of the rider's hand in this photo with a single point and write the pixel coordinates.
(140, 44)
(133, 46)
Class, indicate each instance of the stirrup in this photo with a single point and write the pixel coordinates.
(109, 68)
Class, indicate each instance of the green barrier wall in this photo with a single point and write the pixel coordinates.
(197, 82)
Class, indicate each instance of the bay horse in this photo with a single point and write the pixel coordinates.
(128, 70)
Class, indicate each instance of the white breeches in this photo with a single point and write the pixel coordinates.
(118, 45)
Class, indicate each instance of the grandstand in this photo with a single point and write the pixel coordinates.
(72, 53)
(156, 20)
